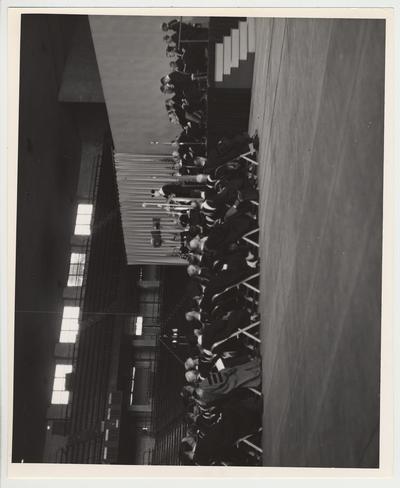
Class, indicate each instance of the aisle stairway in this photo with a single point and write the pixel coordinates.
(234, 57)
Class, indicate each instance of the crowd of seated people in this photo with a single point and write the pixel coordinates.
(223, 371)
(184, 43)
(186, 100)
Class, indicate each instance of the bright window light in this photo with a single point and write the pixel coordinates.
(67, 336)
(69, 324)
(70, 312)
(139, 326)
(60, 395)
(76, 269)
(83, 219)
(132, 384)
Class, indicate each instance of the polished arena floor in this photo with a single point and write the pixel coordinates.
(317, 104)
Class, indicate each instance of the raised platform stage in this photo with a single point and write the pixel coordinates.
(317, 104)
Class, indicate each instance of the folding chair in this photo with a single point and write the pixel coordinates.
(244, 331)
(236, 285)
(252, 287)
(247, 154)
(254, 446)
(246, 237)
(249, 441)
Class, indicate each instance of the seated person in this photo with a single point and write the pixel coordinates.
(195, 318)
(169, 89)
(223, 237)
(219, 329)
(178, 79)
(188, 139)
(191, 363)
(171, 39)
(228, 149)
(218, 433)
(234, 270)
(178, 65)
(188, 30)
(195, 57)
(217, 385)
(203, 274)
(232, 354)
(173, 51)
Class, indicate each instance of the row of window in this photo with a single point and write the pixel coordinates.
(70, 318)
(69, 331)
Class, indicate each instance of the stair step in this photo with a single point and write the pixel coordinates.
(251, 30)
(243, 40)
(227, 54)
(235, 48)
(241, 77)
(219, 62)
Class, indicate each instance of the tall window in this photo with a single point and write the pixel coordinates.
(135, 325)
(69, 324)
(139, 325)
(76, 269)
(60, 395)
(83, 219)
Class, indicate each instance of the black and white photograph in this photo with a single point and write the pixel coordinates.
(199, 241)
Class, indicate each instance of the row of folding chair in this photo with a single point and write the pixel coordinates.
(252, 442)
(249, 287)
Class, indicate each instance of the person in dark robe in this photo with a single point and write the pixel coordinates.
(223, 237)
(222, 328)
(218, 443)
(187, 138)
(189, 31)
(216, 385)
(195, 319)
(228, 149)
(215, 443)
(173, 51)
(179, 79)
(179, 65)
(236, 271)
(232, 354)
(171, 39)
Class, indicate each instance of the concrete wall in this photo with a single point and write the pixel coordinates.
(81, 79)
(131, 58)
